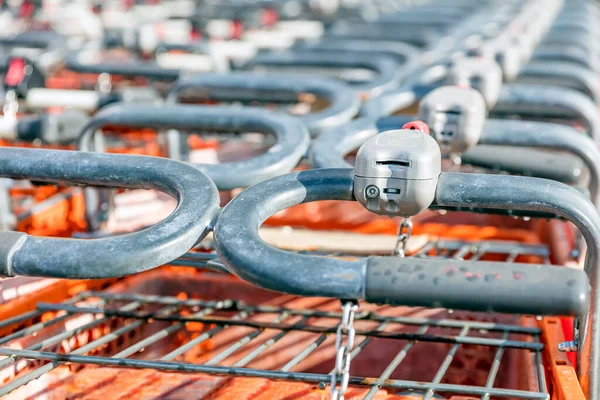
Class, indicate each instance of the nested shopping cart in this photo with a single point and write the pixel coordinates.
(448, 324)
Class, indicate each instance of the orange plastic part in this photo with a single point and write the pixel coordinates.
(564, 378)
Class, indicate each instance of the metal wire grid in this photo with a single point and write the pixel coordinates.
(456, 249)
(134, 311)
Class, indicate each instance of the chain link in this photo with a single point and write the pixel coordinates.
(341, 372)
(404, 232)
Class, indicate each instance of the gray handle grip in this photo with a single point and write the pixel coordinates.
(549, 102)
(78, 61)
(529, 162)
(198, 204)
(248, 256)
(343, 103)
(570, 54)
(547, 136)
(35, 39)
(405, 54)
(385, 68)
(390, 31)
(478, 286)
(330, 148)
(291, 136)
(559, 73)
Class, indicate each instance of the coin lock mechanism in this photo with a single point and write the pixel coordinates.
(455, 116)
(396, 172)
(482, 74)
(507, 57)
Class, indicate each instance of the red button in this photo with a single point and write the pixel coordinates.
(417, 126)
(269, 17)
(237, 29)
(15, 73)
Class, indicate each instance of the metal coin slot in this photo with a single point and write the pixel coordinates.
(398, 163)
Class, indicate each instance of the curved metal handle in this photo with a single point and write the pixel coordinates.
(579, 39)
(526, 161)
(563, 290)
(548, 136)
(389, 31)
(82, 61)
(198, 205)
(405, 54)
(35, 39)
(549, 102)
(570, 54)
(52, 44)
(330, 148)
(343, 103)
(291, 136)
(562, 74)
(385, 68)
(244, 253)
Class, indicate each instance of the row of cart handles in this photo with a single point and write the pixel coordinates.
(397, 172)
(404, 167)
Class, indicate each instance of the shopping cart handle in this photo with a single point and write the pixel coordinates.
(198, 205)
(342, 102)
(405, 54)
(383, 67)
(567, 168)
(477, 286)
(559, 73)
(549, 102)
(329, 149)
(83, 61)
(46, 40)
(546, 136)
(292, 138)
(247, 255)
(571, 54)
(417, 36)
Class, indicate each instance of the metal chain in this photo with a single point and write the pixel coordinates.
(404, 232)
(341, 372)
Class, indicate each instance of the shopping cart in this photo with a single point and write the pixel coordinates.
(291, 140)
(318, 102)
(172, 334)
(457, 119)
(366, 278)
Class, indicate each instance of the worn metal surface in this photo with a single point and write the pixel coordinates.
(198, 204)
(545, 101)
(547, 136)
(343, 103)
(384, 68)
(291, 136)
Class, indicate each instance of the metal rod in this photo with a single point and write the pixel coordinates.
(447, 361)
(246, 339)
(249, 372)
(256, 352)
(489, 383)
(23, 380)
(286, 327)
(163, 333)
(393, 365)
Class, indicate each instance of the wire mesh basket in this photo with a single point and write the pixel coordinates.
(231, 340)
